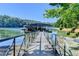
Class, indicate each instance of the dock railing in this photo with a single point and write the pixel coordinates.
(59, 45)
(12, 45)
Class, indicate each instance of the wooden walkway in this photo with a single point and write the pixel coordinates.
(40, 47)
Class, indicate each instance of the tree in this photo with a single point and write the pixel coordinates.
(67, 14)
(7, 21)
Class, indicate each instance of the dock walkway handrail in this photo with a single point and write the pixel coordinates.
(13, 43)
(5, 39)
(66, 51)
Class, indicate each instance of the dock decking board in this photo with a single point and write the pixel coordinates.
(40, 47)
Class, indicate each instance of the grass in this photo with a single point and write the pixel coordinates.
(71, 45)
(8, 33)
(64, 33)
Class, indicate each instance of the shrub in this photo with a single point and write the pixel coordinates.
(77, 34)
(68, 33)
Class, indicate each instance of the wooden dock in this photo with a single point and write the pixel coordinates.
(40, 47)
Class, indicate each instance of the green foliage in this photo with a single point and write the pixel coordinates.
(7, 21)
(68, 33)
(67, 14)
(77, 34)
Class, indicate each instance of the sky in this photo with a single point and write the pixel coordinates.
(31, 11)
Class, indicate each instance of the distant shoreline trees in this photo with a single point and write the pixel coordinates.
(13, 22)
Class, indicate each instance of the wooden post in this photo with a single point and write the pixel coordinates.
(14, 47)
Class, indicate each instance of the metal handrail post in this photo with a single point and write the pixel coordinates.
(55, 43)
(14, 47)
(64, 50)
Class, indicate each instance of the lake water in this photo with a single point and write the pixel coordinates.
(15, 29)
(9, 42)
(19, 39)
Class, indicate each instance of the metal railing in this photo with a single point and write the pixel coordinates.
(58, 49)
(64, 50)
(12, 45)
(62, 47)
